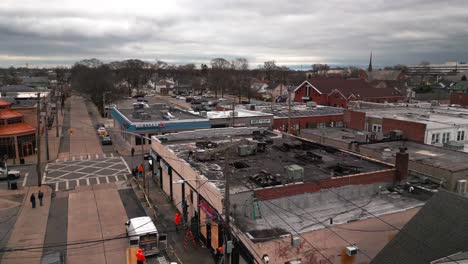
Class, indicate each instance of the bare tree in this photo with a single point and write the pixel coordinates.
(320, 69)
(218, 78)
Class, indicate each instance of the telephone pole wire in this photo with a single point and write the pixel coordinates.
(38, 140)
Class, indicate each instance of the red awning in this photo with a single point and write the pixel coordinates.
(16, 129)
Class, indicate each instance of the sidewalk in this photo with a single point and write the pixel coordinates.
(29, 229)
(165, 212)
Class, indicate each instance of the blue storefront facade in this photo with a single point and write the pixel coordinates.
(130, 131)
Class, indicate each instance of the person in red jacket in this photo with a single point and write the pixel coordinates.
(177, 220)
(140, 256)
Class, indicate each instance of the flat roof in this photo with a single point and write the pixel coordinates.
(228, 114)
(439, 157)
(312, 211)
(304, 111)
(318, 161)
(156, 113)
(434, 117)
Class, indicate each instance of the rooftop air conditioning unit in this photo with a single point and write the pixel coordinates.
(311, 104)
(294, 173)
(462, 187)
(295, 241)
(351, 250)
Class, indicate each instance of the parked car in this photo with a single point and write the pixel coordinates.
(106, 140)
(12, 174)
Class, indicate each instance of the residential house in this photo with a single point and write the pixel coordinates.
(339, 92)
(438, 233)
(165, 87)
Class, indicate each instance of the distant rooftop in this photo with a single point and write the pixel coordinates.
(434, 117)
(428, 154)
(158, 112)
(302, 111)
(228, 114)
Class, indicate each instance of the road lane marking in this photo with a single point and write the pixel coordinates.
(25, 178)
(126, 165)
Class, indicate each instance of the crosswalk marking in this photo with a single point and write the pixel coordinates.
(73, 158)
(87, 181)
(77, 182)
(44, 177)
(56, 186)
(107, 179)
(97, 156)
(112, 155)
(25, 178)
(126, 177)
(98, 181)
(67, 185)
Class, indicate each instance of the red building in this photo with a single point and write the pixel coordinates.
(339, 92)
(459, 99)
(310, 117)
(17, 138)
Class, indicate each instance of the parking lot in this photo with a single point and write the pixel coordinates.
(66, 175)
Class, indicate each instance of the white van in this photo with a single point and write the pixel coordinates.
(144, 234)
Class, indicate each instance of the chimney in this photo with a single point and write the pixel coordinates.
(401, 165)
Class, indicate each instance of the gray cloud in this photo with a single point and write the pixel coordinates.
(290, 32)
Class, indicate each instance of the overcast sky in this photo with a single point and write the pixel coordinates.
(294, 32)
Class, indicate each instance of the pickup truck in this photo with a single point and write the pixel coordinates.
(12, 174)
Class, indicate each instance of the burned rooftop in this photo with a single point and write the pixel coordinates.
(266, 159)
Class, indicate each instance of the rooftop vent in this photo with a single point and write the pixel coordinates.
(240, 165)
(265, 179)
(462, 187)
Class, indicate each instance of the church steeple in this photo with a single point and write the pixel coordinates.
(370, 63)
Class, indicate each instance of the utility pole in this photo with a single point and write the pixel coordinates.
(227, 213)
(289, 111)
(143, 162)
(38, 139)
(56, 113)
(46, 131)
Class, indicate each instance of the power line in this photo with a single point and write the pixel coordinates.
(308, 242)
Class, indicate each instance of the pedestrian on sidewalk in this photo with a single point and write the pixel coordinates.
(140, 170)
(33, 200)
(132, 151)
(40, 195)
(140, 256)
(177, 220)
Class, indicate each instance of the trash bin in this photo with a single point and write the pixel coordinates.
(13, 185)
(22, 161)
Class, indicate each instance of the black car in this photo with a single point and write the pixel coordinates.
(106, 141)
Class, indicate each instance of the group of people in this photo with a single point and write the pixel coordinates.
(40, 195)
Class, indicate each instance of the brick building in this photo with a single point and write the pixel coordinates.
(285, 196)
(303, 117)
(439, 126)
(459, 99)
(339, 92)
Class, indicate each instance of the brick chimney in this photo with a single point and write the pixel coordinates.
(401, 165)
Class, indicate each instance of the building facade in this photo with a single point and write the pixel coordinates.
(17, 138)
